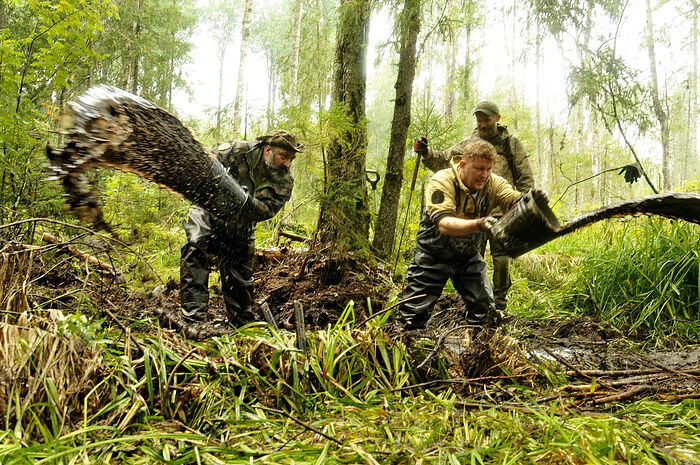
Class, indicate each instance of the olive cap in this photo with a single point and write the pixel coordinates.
(486, 107)
(284, 139)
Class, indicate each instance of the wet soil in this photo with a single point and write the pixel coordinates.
(581, 347)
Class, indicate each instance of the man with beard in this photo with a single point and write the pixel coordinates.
(511, 163)
(261, 168)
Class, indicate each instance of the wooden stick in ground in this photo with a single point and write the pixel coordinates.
(300, 326)
(269, 317)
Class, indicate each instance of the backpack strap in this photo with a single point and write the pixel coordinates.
(508, 154)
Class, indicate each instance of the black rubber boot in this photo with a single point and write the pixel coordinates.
(236, 270)
(194, 282)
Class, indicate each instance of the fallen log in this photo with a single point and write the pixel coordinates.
(295, 237)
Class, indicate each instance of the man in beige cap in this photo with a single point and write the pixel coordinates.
(511, 163)
(260, 183)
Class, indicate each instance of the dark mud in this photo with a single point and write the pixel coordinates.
(580, 347)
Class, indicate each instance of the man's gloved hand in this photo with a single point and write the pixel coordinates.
(421, 145)
(540, 195)
(632, 173)
(485, 223)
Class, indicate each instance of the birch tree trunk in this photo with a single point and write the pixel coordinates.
(245, 43)
(468, 99)
(692, 155)
(658, 107)
(450, 52)
(270, 90)
(385, 231)
(344, 221)
(538, 114)
(296, 33)
(220, 55)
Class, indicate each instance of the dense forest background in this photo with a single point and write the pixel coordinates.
(587, 86)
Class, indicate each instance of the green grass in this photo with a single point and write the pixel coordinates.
(81, 391)
(640, 274)
(251, 397)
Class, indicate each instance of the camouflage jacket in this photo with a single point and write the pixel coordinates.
(512, 162)
(446, 195)
(242, 160)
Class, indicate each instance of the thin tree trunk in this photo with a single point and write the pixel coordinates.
(658, 107)
(552, 154)
(270, 91)
(221, 55)
(538, 116)
(692, 154)
(3, 15)
(345, 221)
(467, 78)
(245, 41)
(136, 55)
(388, 210)
(296, 34)
(450, 50)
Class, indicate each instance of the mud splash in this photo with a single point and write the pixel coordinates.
(531, 223)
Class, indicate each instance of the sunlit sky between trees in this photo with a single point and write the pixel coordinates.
(497, 46)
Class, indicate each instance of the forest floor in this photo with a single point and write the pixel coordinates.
(606, 362)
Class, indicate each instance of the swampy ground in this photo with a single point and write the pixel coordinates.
(92, 370)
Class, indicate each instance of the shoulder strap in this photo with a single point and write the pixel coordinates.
(508, 153)
(455, 183)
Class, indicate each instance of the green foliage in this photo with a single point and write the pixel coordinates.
(563, 16)
(647, 278)
(614, 88)
(149, 217)
(638, 274)
(252, 397)
(42, 49)
(156, 38)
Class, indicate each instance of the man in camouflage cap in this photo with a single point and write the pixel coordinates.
(511, 163)
(260, 177)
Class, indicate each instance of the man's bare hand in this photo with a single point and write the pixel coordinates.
(485, 223)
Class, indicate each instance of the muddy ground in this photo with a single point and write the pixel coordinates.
(585, 349)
